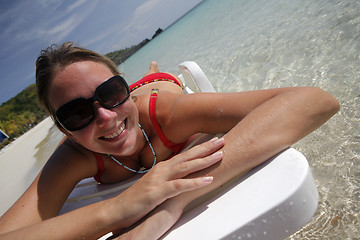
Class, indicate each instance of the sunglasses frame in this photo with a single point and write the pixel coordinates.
(91, 100)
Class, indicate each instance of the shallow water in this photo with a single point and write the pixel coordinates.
(245, 45)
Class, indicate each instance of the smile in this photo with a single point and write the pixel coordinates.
(117, 133)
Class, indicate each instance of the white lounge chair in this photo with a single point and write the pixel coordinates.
(272, 201)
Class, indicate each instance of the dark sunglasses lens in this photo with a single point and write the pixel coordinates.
(113, 92)
(76, 114)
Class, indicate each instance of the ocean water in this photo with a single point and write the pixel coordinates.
(245, 45)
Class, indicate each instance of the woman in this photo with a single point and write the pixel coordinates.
(112, 134)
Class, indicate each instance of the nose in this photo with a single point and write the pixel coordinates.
(103, 115)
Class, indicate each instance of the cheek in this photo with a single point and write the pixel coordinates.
(83, 137)
(130, 108)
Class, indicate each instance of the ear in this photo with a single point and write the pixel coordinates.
(68, 134)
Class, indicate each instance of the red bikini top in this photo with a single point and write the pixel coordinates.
(176, 148)
(155, 77)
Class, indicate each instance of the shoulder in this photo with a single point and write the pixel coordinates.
(181, 116)
(69, 164)
(72, 160)
(169, 93)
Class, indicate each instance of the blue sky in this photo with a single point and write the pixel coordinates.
(27, 27)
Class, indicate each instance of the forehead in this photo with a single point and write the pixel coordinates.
(78, 79)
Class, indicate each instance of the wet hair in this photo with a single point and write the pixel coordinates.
(55, 58)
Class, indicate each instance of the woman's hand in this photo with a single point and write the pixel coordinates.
(165, 180)
(168, 179)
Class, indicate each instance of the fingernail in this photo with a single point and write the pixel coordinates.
(219, 141)
(214, 139)
(217, 155)
(207, 179)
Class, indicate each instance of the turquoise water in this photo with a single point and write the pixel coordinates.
(246, 45)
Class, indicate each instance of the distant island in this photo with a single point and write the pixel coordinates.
(22, 112)
(120, 56)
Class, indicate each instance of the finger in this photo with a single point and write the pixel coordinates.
(199, 151)
(185, 168)
(178, 186)
(193, 160)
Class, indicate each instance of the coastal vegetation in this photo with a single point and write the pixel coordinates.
(121, 55)
(22, 112)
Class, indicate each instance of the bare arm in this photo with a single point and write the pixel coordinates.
(163, 181)
(268, 122)
(260, 124)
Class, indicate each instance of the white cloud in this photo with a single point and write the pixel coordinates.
(76, 4)
(62, 29)
(140, 20)
(47, 4)
(146, 7)
(65, 24)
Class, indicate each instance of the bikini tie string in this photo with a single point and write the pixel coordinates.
(133, 170)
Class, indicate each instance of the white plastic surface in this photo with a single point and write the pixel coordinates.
(272, 201)
(194, 79)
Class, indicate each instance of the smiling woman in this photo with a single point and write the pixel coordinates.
(113, 133)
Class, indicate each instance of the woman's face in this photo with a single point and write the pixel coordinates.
(113, 131)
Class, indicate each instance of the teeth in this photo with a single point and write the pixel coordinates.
(117, 133)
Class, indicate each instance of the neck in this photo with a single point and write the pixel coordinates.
(140, 143)
(152, 150)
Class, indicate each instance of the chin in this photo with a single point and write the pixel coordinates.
(130, 146)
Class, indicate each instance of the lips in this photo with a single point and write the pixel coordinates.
(117, 133)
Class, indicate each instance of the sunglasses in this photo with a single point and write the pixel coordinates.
(79, 113)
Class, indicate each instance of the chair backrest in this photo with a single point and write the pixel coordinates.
(194, 79)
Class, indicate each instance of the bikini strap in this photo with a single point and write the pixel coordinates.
(176, 148)
(100, 167)
(155, 77)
